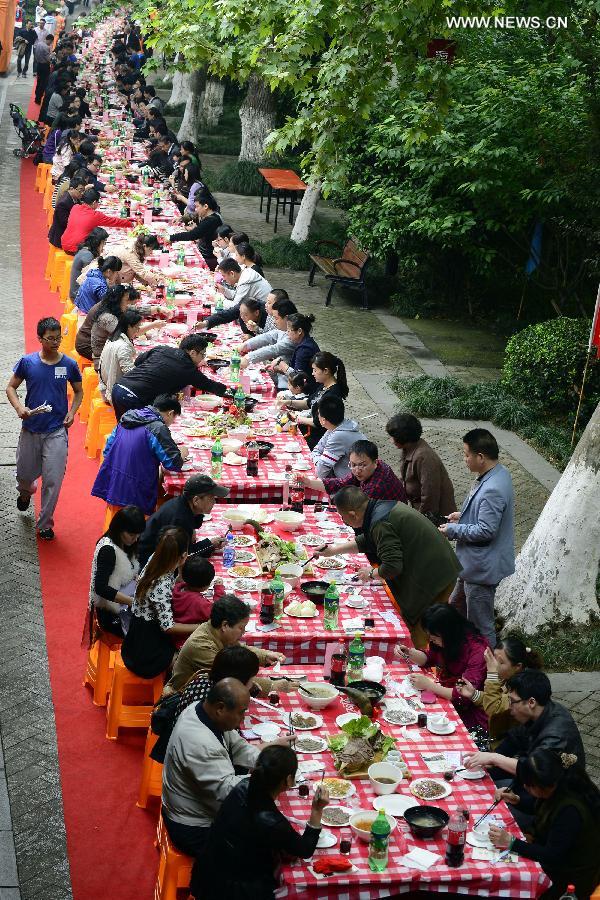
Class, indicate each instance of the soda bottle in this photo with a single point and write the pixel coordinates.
(297, 494)
(229, 552)
(278, 588)
(356, 659)
(331, 607)
(123, 211)
(338, 666)
(155, 201)
(379, 842)
(216, 459)
(160, 293)
(181, 256)
(218, 301)
(239, 398)
(570, 895)
(252, 459)
(457, 833)
(267, 608)
(234, 366)
(286, 486)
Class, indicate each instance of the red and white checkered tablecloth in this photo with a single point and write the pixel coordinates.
(523, 879)
(304, 641)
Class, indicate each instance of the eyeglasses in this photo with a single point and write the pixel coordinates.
(52, 340)
(514, 702)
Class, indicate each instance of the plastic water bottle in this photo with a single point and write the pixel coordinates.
(234, 366)
(356, 659)
(278, 588)
(379, 843)
(216, 459)
(229, 551)
(331, 607)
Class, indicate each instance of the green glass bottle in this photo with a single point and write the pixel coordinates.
(356, 659)
(379, 843)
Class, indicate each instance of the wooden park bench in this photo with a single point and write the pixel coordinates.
(348, 269)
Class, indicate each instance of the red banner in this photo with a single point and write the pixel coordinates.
(595, 332)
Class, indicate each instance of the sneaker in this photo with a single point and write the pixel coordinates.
(23, 501)
(46, 535)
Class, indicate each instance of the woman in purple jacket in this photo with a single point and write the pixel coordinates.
(457, 649)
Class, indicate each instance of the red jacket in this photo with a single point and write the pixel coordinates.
(189, 607)
(82, 220)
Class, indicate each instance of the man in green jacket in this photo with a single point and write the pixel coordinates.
(415, 560)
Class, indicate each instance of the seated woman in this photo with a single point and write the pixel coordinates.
(96, 283)
(248, 257)
(509, 658)
(118, 355)
(250, 835)
(565, 826)
(329, 373)
(299, 328)
(456, 647)
(230, 662)
(148, 648)
(90, 249)
(114, 567)
(133, 256)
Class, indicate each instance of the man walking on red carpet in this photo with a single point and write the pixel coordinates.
(43, 443)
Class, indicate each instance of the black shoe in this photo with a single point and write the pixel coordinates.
(23, 501)
(46, 535)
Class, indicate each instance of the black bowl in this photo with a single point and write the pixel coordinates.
(373, 690)
(210, 336)
(413, 813)
(216, 364)
(133, 179)
(157, 211)
(250, 403)
(318, 596)
(264, 448)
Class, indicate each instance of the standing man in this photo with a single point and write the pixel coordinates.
(43, 443)
(27, 38)
(484, 531)
(41, 56)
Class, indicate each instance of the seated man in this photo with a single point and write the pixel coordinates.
(274, 343)
(372, 475)
(186, 511)
(136, 448)
(331, 456)
(247, 284)
(199, 765)
(225, 628)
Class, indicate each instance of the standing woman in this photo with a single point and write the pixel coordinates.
(299, 328)
(90, 249)
(329, 372)
(133, 256)
(456, 649)
(97, 282)
(114, 567)
(148, 648)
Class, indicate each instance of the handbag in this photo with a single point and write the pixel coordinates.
(147, 651)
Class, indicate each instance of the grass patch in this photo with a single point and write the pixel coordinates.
(458, 344)
(226, 138)
(566, 648)
(235, 178)
(451, 398)
(282, 253)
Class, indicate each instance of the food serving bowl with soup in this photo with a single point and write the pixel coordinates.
(315, 590)
(384, 777)
(426, 821)
(290, 573)
(236, 519)
(231, 445)
(317, 694)
(290, 520)
(207, 401)
(362, 821)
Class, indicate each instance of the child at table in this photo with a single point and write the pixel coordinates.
(189, 600)
(296, 389)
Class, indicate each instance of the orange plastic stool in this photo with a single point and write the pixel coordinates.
(111, 511)
(89, 380)
(100, 666)
(81, 361)
(151, 783)
(42, 174)
(101, 414)
(105, 429)
(122, 711)
(596, 894)
(50, 213)
(47, 201)
(51, 252)
(174, 868)
(58, 268)
(65, 282)
(68, 328)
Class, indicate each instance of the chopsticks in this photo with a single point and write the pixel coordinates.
(486, 813)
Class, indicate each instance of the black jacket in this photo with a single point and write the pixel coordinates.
(175, 512)
(233, 315)
(554, 730)
(204, 233)
(244, 848)
(62, 211)
(166, 370)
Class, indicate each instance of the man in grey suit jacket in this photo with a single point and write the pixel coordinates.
(484, 531)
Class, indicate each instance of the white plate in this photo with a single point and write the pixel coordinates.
(326, 840)
(298, 616)
(293, 448)
(302, 465)
(449, 729)
(318, 721)
(310, 540)
(346, 717)
(244, 556)
(323, 746)
(244, 585)
(254, 573)
(266, 730)
(357, 602)
(329, 563)
(350, 790)
(473, 840)
(345, 809)
(411, 717)
(473, 774)
(431, 800)
(248, 541)
(395, 804)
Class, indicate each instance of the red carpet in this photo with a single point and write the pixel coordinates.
(110, 840)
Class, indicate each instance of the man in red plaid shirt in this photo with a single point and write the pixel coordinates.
(374, 477)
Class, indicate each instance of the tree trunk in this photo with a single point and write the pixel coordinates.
(212, 107)
(257, 115)
(180, 89)
(557, 569)
(306, 212)
(188, 130)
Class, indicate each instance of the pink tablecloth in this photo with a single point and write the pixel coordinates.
(304, 641)
(477, 878)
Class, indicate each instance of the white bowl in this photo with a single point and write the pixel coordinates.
(235, 519)
(290, 573)
(207, 402)
(317, 702)
(384, 770)
(346, 717)
(240, 431)
(231, 445)
(370, 815)
(289, 519)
